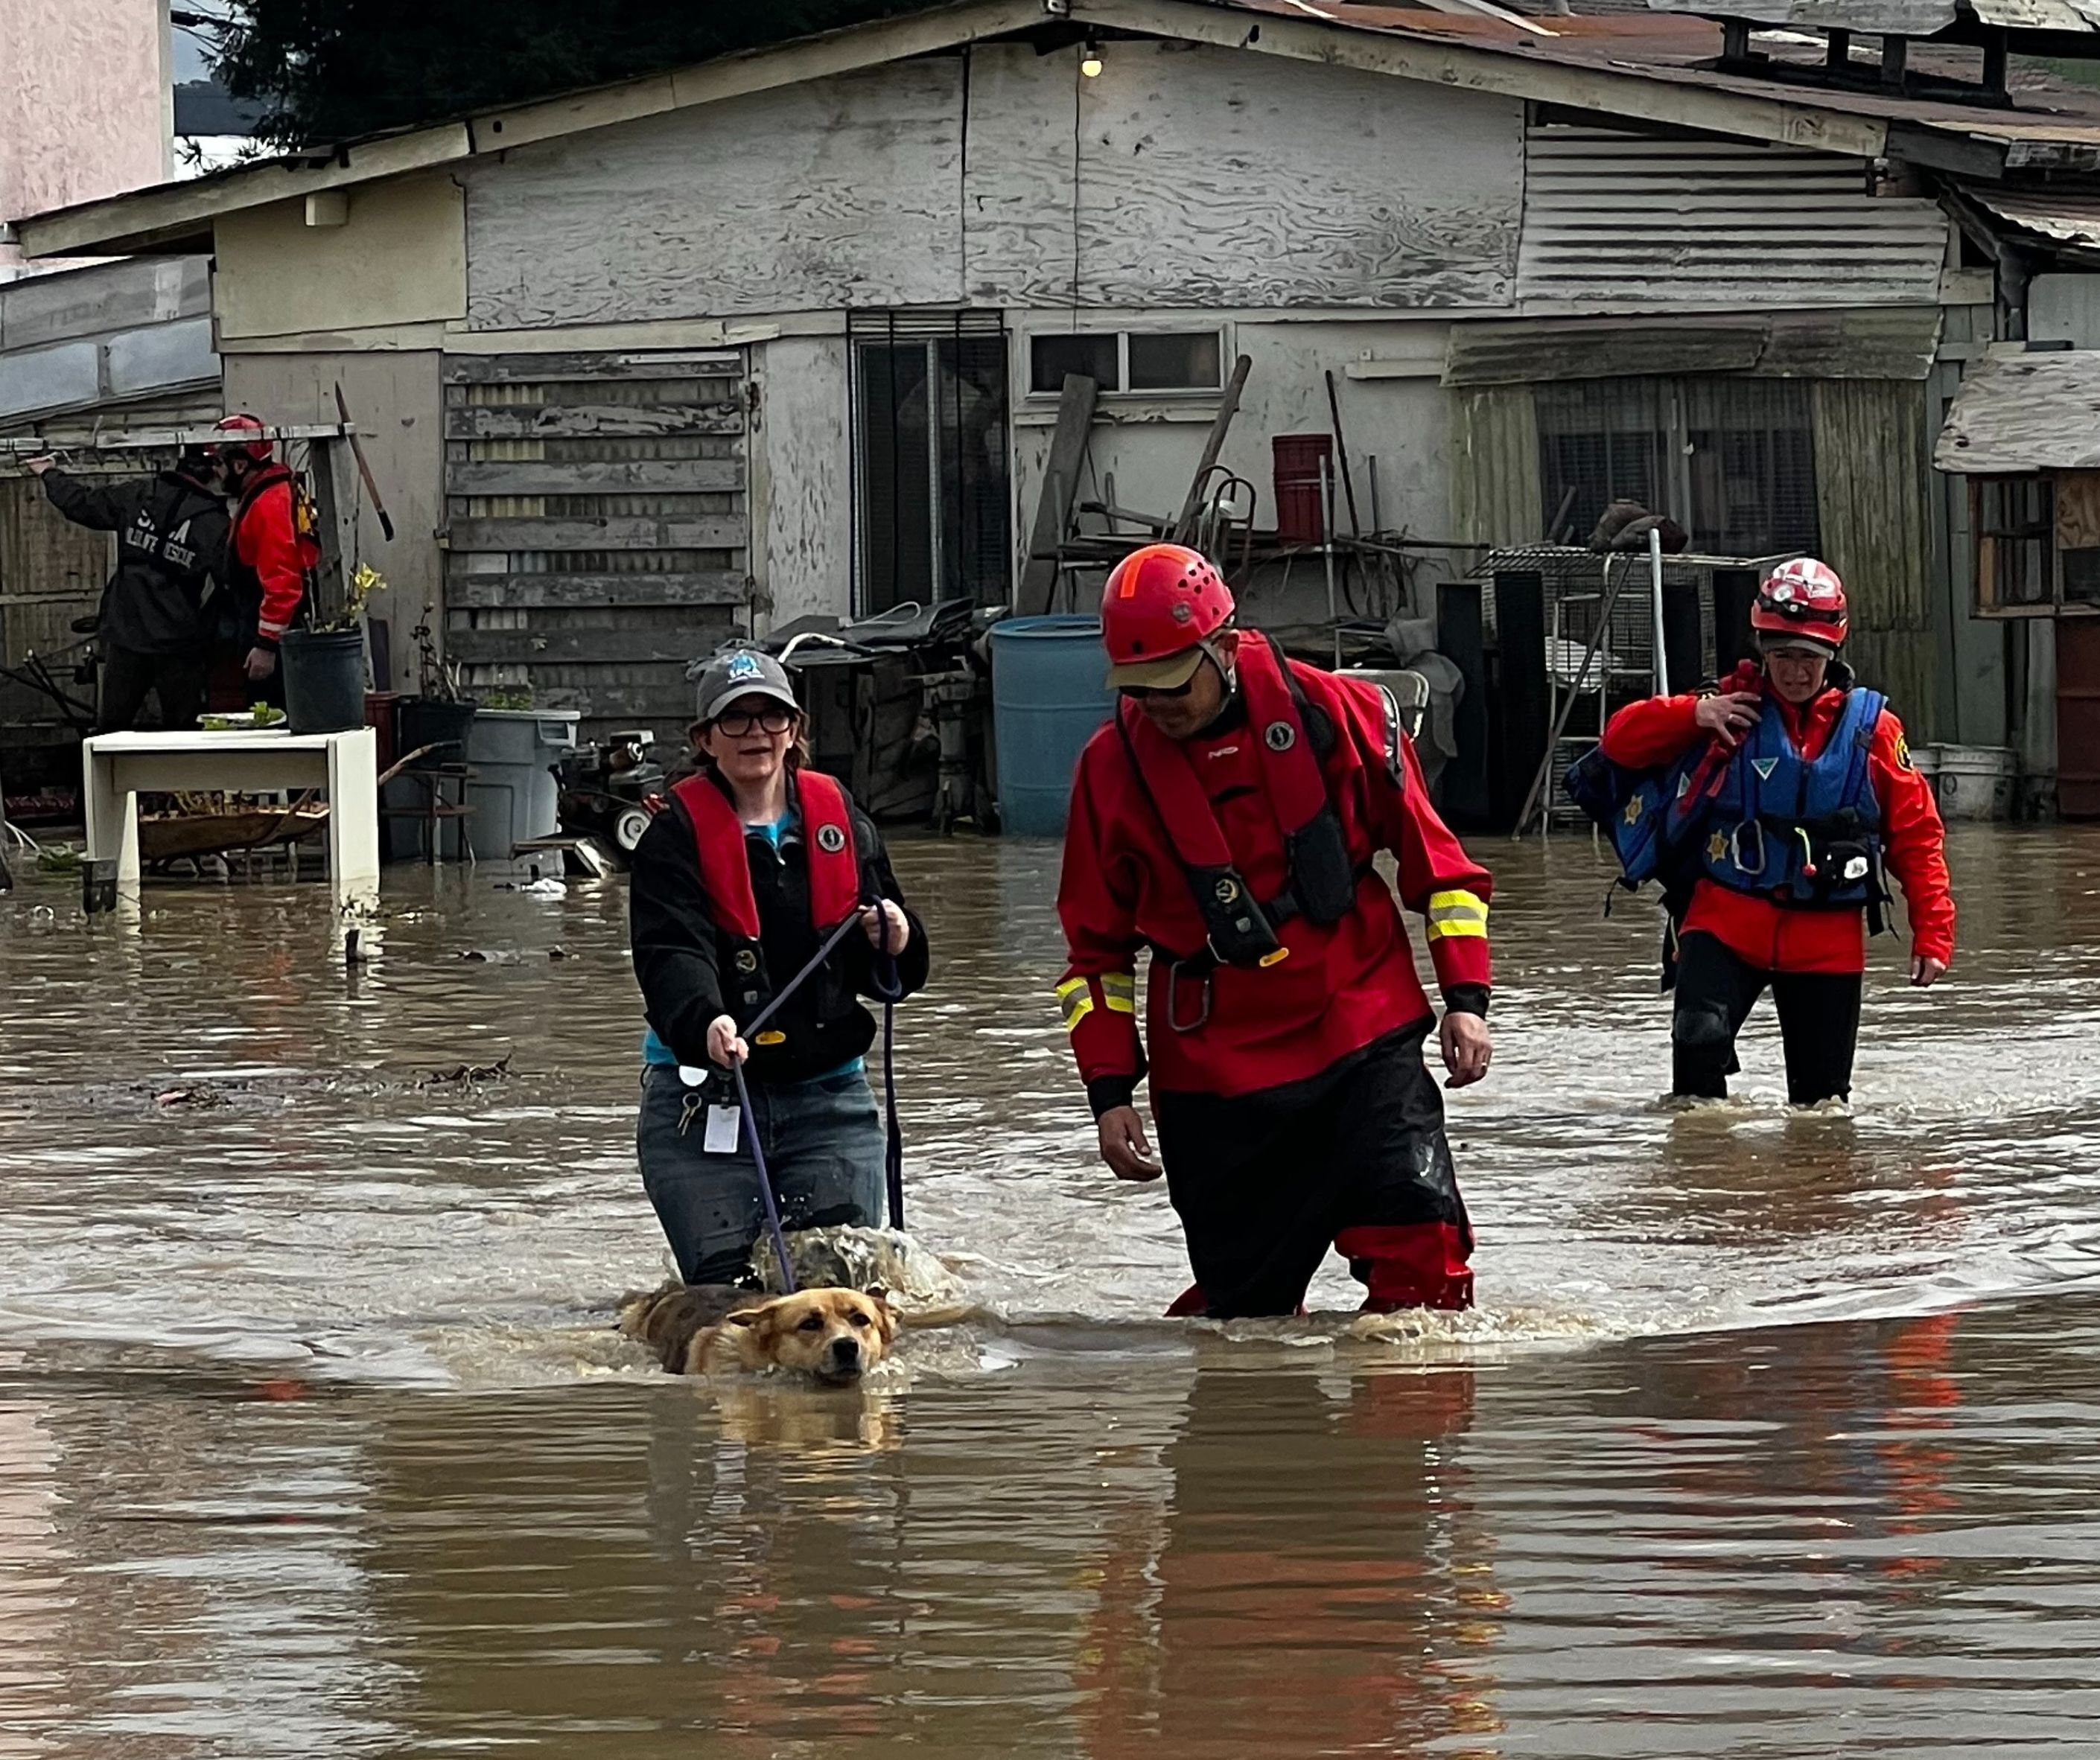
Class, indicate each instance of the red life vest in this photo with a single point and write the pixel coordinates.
(718, 839)
(1322, 884)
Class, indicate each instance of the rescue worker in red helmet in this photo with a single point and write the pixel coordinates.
(737, 883)
(1792, 792)
(1228, 818)
(272, 557)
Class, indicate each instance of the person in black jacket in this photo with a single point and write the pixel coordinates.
(755, 861)
(155, 627)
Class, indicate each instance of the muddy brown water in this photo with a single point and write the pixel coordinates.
(1774, 1435)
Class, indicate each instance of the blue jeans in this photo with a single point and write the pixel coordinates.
(823, 1143)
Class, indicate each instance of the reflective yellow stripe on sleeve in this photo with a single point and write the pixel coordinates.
(1076, 1000)
(1457, 913)
(1119, 991)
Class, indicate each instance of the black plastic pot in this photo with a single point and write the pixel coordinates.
(323, 680)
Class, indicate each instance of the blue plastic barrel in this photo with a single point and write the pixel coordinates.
(1049, 693)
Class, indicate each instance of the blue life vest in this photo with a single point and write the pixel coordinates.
(1645, 814)
(1794, 832)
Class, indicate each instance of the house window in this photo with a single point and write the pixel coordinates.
(1159, 362)
(1731, 459)
(931, 463)
(2015, 522)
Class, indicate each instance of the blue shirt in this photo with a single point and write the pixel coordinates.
(654, 1051)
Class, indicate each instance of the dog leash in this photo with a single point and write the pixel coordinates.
(890, 991)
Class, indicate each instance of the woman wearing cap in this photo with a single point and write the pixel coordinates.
(755, 861)
(1798, 793)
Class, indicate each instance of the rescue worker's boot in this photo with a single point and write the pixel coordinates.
(1418, 1264)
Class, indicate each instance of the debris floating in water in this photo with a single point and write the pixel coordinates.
(465, 1074)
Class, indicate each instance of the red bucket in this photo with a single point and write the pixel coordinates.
(1300, 511)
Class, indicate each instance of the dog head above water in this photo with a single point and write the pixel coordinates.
(835, 1336)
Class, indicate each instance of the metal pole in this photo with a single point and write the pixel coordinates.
(1661, 644)
(1327, 551)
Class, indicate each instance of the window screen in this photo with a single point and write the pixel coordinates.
(1732, 461)
(1050, 358)
(1174, 360)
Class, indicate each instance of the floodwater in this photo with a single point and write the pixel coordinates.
(1774, 1436)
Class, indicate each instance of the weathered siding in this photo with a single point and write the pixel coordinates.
(394, 405)
(1615, 223)
(802, 477)
(1495, 493)
(578, 567)
(1204, 178)
(1209, 177)
(844, 191)
(399, 258)
(1873, 470)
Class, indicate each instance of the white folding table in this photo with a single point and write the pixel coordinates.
(116, 767)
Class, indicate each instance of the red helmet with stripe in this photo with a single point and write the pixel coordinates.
(1161, 604)
(245, 436)
(1804, 599)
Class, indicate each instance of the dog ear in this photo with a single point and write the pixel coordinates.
(748, 1316)
(885, 1316)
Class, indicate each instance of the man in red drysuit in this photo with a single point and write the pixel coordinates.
(1227, 817)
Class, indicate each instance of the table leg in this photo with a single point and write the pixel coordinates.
(353, 818)
(110, 810)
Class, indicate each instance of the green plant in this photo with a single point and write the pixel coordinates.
(504, 697)
(363, 584)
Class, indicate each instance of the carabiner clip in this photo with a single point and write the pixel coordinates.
(1174, 1000)
(1735, 846)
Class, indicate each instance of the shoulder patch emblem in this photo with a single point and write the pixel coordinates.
(1903, 754)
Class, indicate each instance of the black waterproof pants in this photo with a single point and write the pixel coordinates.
(1819, 1023)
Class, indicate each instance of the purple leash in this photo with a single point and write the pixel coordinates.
(890, 992)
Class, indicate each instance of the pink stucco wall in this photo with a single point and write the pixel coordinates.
(87, 109)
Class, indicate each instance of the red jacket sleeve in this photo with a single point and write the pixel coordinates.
(1097, 995)
(267, 544)
(1646, 736)
(1914, 841)
(1437, 877)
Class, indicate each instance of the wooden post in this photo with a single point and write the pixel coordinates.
(1184, 527)
(1060, 488)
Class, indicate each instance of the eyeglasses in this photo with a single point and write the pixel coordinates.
(1142, 693)
(736, 723)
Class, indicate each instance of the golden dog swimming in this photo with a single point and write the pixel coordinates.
(833, 1336)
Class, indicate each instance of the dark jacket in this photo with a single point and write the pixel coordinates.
(679, 951)
(171, 540)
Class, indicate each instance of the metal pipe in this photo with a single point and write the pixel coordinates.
(1327, 551)
(1661, 643)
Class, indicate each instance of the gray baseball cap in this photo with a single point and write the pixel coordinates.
(738, 672)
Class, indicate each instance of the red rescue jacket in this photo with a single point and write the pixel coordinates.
(718, 837)
(271, 552)
(1775, 938)
(1339, 985)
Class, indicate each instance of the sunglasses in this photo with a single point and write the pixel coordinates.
(1144, 693)
(734, 724)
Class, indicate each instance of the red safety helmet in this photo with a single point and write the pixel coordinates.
(245, 436)
(1803, 600)
(1161, 605)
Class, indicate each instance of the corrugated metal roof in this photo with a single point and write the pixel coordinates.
(2068, 217)
(1901, 18)
(1636, 221)
(2024, 412)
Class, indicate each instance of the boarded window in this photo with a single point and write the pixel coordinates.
(597, 527)
(1731, 459)
(2015, 520)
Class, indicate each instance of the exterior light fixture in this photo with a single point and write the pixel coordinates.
(1090, 61)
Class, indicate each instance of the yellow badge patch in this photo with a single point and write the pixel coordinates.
(1903, 754)
(1717, 847)
(1634, 809)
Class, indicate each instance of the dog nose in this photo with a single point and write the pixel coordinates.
(845, 1352)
